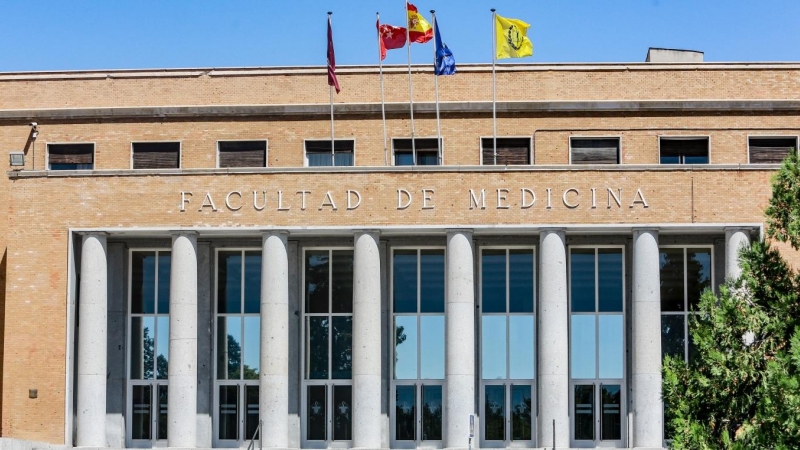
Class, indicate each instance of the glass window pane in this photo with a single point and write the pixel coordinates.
(520, 281)
(695, 159)
(521, 417)
(317, 348)
(612, 349)
(493, 347)
(148, 342)
(318, 159)
(405, 405)
(431, 347)
(521, 336)
(342, 413)
(403, 158)
(252, 345)
(582, 347)
(229, 412)
(141, 403)
(494, 413)
(137, 349)
(229, 348)
(163, 400)
(671, 260)
(316, 409)
(611, 419)
(673, 338)
(162, 348)
(251, 420)
(342, 281)
(343, 159)
(317, 281)
(493, 281)
(229, 292)
(432, 413)
(609, 273)
(698, 274)
(582, 279)
(405, 355)
(404, 281)
(164, 269)
(584, 412)
(667, 159)
(252, 282)
(143, 282)
(342, 348)
(432, 281)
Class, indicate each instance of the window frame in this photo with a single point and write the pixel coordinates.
(530, 149)
(508, 382)
(419, 382)
(440, 152)
(94, 155)
(305, 151)
(771, 136)
(672, 137)
(130, 383)
(266, 152)
(180, 152)
(330, 382)
(242, 382)
(618, 137)
(597, 382)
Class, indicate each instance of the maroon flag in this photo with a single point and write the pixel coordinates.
(332, 81)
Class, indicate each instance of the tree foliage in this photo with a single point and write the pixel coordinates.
(741, 390)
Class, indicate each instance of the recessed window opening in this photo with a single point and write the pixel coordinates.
(425, 152)
(319, 154)
(242, 154)
(770, 150)
(678, 150)
(156, 155)
(594, 150)
(510, 151)
(70, 156)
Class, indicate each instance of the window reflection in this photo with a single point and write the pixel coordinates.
(405, 366)
(317, 281)
(405, 413)
(582, 280)
(493, 349)
(432, 350)
(431, 281)
(521, 349)
(521, 413)
(342, 413)
(493, 281)
(584, 412)
(582, 347)
(672, 293)
(494, 412)
(673, 338)
(317, 348)
(432, 413)
(342, 348)
(611, 349)
(612, 417)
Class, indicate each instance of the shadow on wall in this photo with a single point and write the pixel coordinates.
(2, 328)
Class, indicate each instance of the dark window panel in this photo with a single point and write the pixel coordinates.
(594, 150)
(584, 412)
(342, 287)
(319, 153)
(342, 348)
(520, 281)
(672, 298)
(521, 413)
(432, 281)
(684, 151)
(142, 405)
(432, 413)
(609, 272)
(698, 274)
(317, 335)
(316, 409)
(510, 151)
(252, 417)
(243, 154)
(494, 413)
(229, 412)
(156, 155)
(342, 413)
(770, 150)
(673, 335)
(493, 281)
(71, 156)
(317, 281)
(582, 278)
(404, 281)
(611, 420)
(252, 282)
(405, 413)
(229, 280)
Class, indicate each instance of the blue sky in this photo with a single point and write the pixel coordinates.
(115, 34)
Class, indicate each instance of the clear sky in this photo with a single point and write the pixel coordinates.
(118, 34)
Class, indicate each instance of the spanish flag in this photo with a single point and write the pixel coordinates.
(512, 39)
(419, 30)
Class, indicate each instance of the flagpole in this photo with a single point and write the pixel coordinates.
(333, 162)
(494, 86)
(436, 88)
(410, 88)
(383, 98)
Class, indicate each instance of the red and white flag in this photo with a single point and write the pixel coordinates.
(392, 37)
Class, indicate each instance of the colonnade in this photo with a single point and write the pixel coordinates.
(553, 338)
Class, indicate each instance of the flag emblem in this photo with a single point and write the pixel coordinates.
(515, 37)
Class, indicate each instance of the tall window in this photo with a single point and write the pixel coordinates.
(597, 345)
(238, 342)
(328, 362)
(685, 273)
(319, 154)
(507, 345)
(149, 345)
(424, 152)
(419, 343)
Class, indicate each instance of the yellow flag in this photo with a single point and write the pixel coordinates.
(512, 39)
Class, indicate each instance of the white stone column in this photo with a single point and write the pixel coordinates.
(553, 348)
(92, 342)
(648, 419)
(273, 397)
(366, 341)
(182, 402)
(735, 239)
(459, 338)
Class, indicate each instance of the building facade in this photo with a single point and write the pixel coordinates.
(189, 259)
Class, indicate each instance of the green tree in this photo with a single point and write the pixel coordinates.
(741, 389)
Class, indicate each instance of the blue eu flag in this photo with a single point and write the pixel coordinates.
(445, 64)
